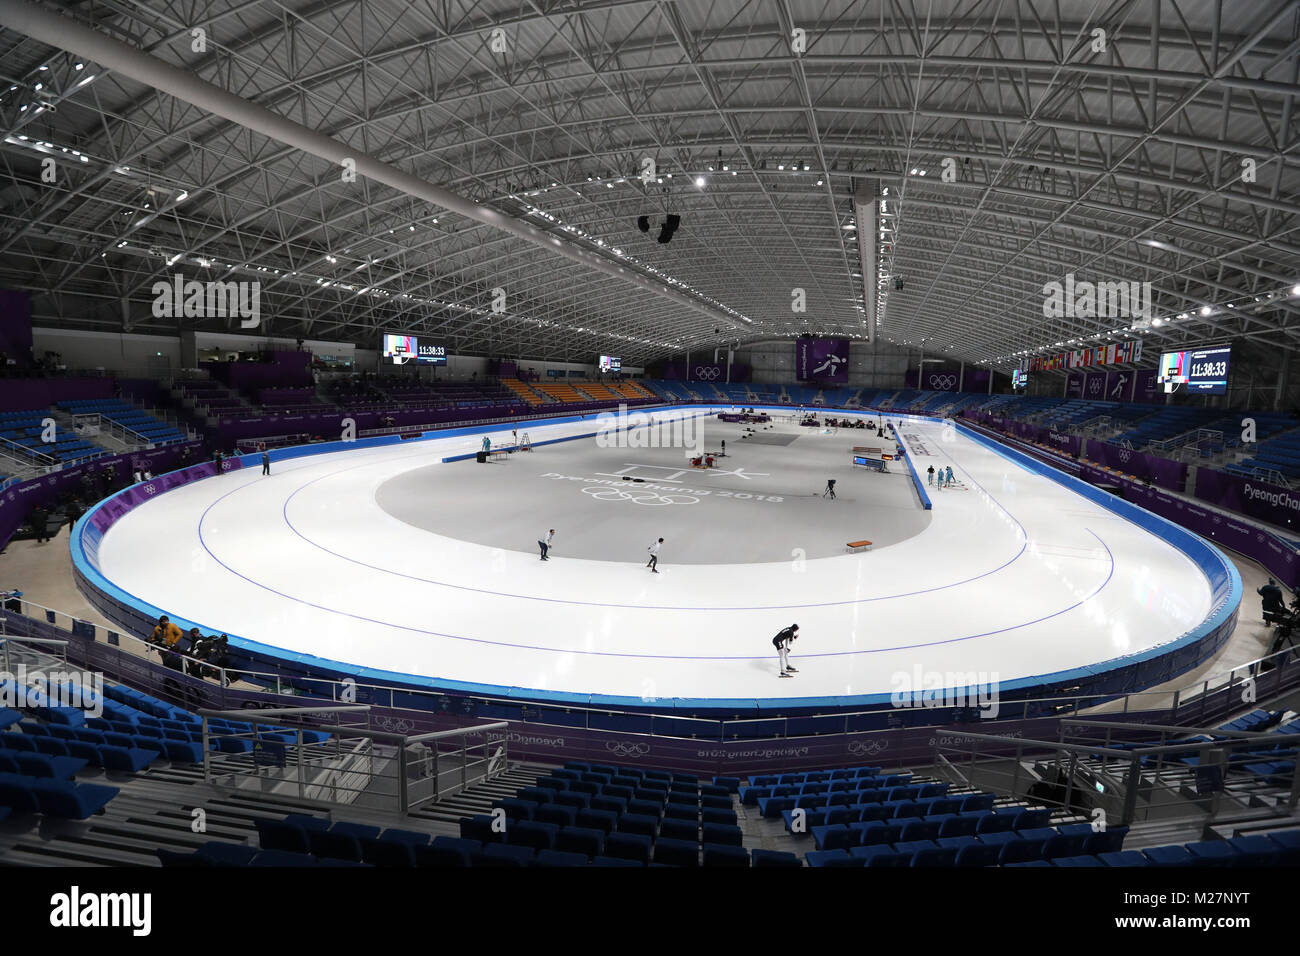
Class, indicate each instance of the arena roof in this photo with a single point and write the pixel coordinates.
(502, 146)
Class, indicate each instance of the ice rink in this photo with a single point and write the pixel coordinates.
(390, 559)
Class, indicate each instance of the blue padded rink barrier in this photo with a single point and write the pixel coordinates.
(1023, 576)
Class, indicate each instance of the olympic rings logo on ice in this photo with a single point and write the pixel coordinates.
(639, 496)
(943, 382)
(627, 750)
(707, 373)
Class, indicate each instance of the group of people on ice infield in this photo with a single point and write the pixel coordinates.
(782, 642)
(945, 479)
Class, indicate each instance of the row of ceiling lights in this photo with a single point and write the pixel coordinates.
(325, 283)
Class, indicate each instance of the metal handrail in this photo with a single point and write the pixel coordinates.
(308, 757)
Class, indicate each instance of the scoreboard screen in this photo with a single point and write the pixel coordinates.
(431, 354)
(1019, 379)
(1204, 371)
(399, 349)
(611, 363)
(1207, 370)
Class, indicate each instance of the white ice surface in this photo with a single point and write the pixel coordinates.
(1014, 577)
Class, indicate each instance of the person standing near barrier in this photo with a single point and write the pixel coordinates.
(929, 475)
(266, 462)
(165, 634)
(544, 542)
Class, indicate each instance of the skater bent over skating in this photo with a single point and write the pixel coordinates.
(544, 542)
(782, 642)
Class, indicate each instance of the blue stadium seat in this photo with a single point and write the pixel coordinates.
(1211, 852)
(342, 841)
(677, 852)
(446, 851)
(393, 847)
(559, 858)
(226, 854)
(773, 858)
(1168, 856)
(539, 836)
(502, 854)
(632, 846)
(725, 855)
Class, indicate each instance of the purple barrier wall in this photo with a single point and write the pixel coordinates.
(1258, 499)
(1061, 441)
(19, 499)
(1161, 471)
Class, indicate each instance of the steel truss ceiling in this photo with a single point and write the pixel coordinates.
(1141, 141)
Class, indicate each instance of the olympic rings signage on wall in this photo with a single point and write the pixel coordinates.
(942, 382)
(708, 373)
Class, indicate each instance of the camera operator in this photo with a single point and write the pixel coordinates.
(1274, 606)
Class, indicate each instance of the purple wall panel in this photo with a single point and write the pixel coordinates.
(1258, 499)
(21, 394)
(1161, 471)
(1279, 557)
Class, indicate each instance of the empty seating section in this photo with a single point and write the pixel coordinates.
(22, 435)
(44, 746)
(608, 815)
(289, 399)
(863, 816)
(561, 393)
(148, 428)
(631, 390)
(448, 395)
(209, 397)
(1271, 761)
(523, 391)
(1280, 455)
(1169, 422)
(599, 392)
